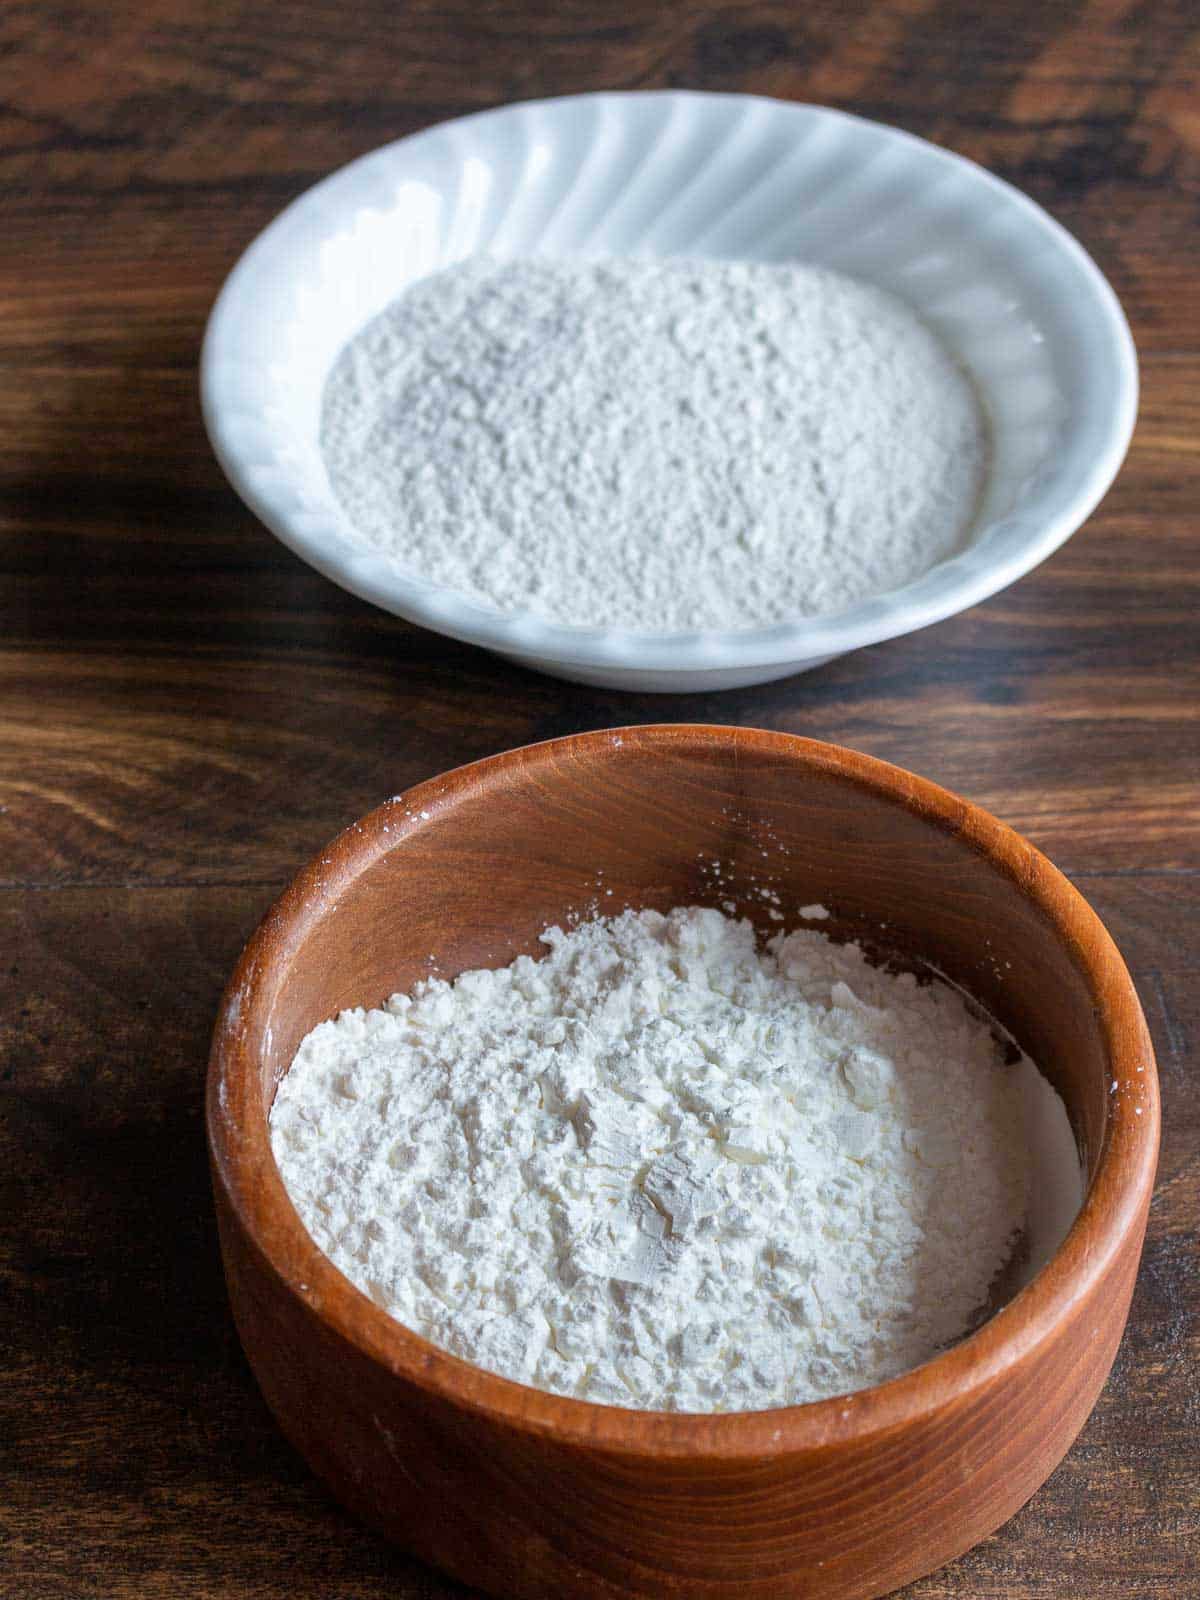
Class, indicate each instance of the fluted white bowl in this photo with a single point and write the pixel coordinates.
(1015, 297)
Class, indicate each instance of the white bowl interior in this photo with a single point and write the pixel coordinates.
(1010, 293)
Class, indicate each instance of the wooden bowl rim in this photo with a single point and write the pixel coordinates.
(244, 1167)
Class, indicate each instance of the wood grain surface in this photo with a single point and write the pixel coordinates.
(187, 713)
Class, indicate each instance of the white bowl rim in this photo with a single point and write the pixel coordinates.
(377, 579)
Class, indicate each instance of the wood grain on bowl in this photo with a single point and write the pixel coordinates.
(524, 1493)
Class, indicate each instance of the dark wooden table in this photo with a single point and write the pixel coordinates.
(187, 712)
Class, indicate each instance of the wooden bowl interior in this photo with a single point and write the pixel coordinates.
(569, 830)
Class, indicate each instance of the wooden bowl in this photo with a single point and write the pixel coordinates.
(529, 1494)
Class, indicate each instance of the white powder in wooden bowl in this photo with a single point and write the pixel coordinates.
(667, 1168)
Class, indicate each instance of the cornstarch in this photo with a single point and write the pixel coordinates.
(665, 1167)
(654, 444)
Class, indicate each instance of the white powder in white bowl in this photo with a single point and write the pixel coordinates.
(654, 444)
(666, 1168)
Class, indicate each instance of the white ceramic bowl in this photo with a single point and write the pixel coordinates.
(676, 173)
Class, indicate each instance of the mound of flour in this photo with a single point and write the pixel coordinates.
(654, 444)
(665, 1168)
